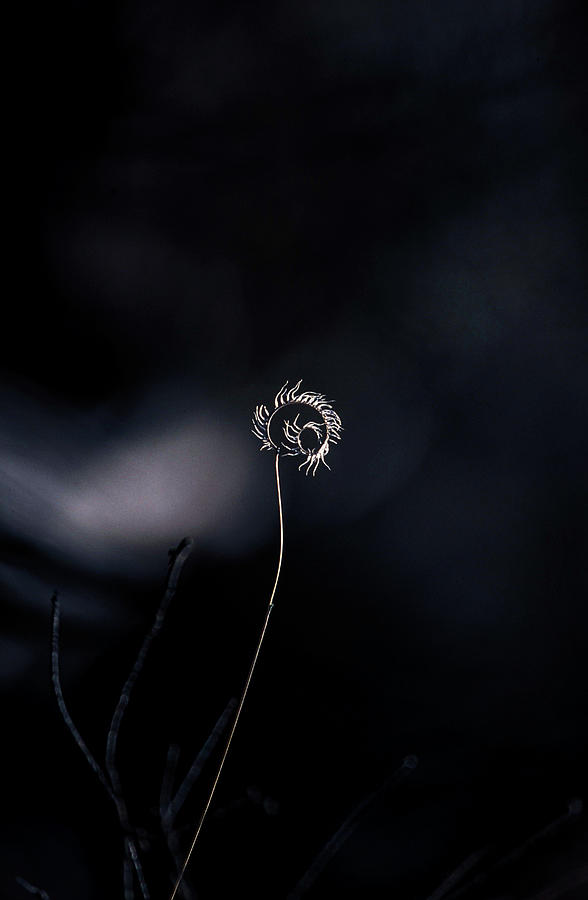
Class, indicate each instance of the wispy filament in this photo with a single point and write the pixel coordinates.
(245, 688)
(325, 432)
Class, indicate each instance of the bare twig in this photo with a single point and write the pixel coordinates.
(131, 848)
(117, 800)
(459, 874)
(347, 827)
(562, 885)
(196, 768)
(186, 891)
(61, 701)
(169, 807)
(177, 559)
(575, 807)
(110, 779)
(39, 892)
(129, 890)
(167, 782)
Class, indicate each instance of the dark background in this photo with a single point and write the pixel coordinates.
(387, 200)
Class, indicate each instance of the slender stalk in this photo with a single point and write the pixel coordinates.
(575, 809)
(131, 849)
(347, 827)
(167, 783)
(56, 678)
(172, 809)
(177, 560)
(110, 778)
(39, 892)
(459, 874)
(245, 689)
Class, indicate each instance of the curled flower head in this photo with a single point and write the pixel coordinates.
(310, 439)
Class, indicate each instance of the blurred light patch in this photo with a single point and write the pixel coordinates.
(150, 490)
(78, 492)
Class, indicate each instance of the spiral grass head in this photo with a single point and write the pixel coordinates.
(310, 439)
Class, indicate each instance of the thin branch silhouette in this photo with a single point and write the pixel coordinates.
(39, 892)
(110, 778)
(128, 886)
(562, 885)
(575, 808)
(459, 873)
(177, 559)
(347, 827)
(170, 804)
(56, 679)
(170, 812)
(167, 782)
(312, 441)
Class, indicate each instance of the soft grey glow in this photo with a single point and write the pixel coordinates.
(108, 500)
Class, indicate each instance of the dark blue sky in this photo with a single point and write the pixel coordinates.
(389, 202)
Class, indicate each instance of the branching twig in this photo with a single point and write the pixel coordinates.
(347, 827)
(110, 779)
(177, 560)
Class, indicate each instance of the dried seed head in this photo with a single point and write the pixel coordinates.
(310, 440)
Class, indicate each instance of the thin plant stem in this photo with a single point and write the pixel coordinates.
(110, 778)
(39, 892)
(245, 689)
(564, 884)
(117, 799)
(575, 808)
(129, 890)
(134, 856)
(177, 560)
(173, 846)
(459, 874)
(348, 826)
(56, 678)
(170, 806)
(170, 813)
(167, 783)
